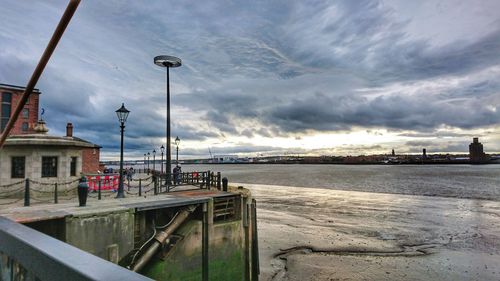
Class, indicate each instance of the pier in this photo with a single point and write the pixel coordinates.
(196, 234)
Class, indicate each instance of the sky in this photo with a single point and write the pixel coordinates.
(264, 78)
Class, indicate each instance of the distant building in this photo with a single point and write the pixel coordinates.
(393, 153)
(10, 96)
(424, 153)
(476, 153)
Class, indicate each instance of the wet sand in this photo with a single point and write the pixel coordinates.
(325, 234)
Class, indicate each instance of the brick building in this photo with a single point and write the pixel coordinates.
(10, 96)
(46, 158)
(29, 152)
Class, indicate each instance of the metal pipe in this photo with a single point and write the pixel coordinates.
(161, 238)
(63, 23)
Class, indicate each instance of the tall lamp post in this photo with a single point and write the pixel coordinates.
(177, 141)
(148, 163)
(122, 114)
(154, 160)
(144, 163)
(162, 149)
(168, 62)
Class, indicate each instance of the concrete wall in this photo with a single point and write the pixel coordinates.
(33, 165)
(106, 235)
(184, 261)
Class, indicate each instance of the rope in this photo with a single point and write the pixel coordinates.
(12, 202)
(12, 184)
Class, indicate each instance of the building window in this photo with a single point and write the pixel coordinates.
(49, 166)
(25, 126)
(72, 171)
(26, 113)
(18, 166)
(5, 110)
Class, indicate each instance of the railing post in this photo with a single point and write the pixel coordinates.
(55, 193)
(218, 181)
(27, 192)
(99, 190)
(224, 184)
(204, 244)
(140, 187)
(209, 174)
(154, 185)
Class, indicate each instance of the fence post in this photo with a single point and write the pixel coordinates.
(154, 185)
(224, 184)
(55, 193)
(140, 187)
(27, 192)
(208, 179)
(99, 190)
(218, 181)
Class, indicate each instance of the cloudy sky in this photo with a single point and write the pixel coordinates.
(266, 77)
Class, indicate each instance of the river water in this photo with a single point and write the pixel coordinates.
(463, 181)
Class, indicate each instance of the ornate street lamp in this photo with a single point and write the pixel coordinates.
(162, 149)
(168, 62)
(122, 114)
(177, 141)
(154, 161)
(148, 163)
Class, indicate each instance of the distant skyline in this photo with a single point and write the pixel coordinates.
(266, 77)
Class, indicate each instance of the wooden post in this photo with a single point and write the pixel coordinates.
(55, 193)
(27, 192)
(208, 179)
(140, 187)
(204, 244)
(99, 190)
(219, 184)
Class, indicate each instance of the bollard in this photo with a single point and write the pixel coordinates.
(224, 184)
(99, 190)
(27, 192)
(83, 191)
(55, 193)
(140, 187)
(218, 181)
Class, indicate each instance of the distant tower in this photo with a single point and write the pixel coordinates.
(393, 153)
(476, 153)
(424, 153)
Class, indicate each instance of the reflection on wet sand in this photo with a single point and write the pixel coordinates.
(325, 234)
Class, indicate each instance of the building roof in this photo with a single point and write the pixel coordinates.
(47, 140)
(17, 88)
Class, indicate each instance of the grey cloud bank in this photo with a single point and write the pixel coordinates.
(261, 69)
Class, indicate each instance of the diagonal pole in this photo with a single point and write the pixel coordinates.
(61, 27)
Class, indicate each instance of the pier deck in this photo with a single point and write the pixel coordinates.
(49, 211)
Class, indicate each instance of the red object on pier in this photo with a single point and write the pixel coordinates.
(108, 181)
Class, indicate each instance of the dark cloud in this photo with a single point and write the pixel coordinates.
(271, 69)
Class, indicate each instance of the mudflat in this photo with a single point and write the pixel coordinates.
(326, 234)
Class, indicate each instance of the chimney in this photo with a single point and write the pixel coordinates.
(69, 130)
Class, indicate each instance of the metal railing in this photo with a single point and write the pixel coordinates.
(26, 254)
(105, 186)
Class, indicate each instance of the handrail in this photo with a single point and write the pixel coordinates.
(50, 259)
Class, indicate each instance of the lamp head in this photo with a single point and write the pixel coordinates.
(122, 114)
(167, 61)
